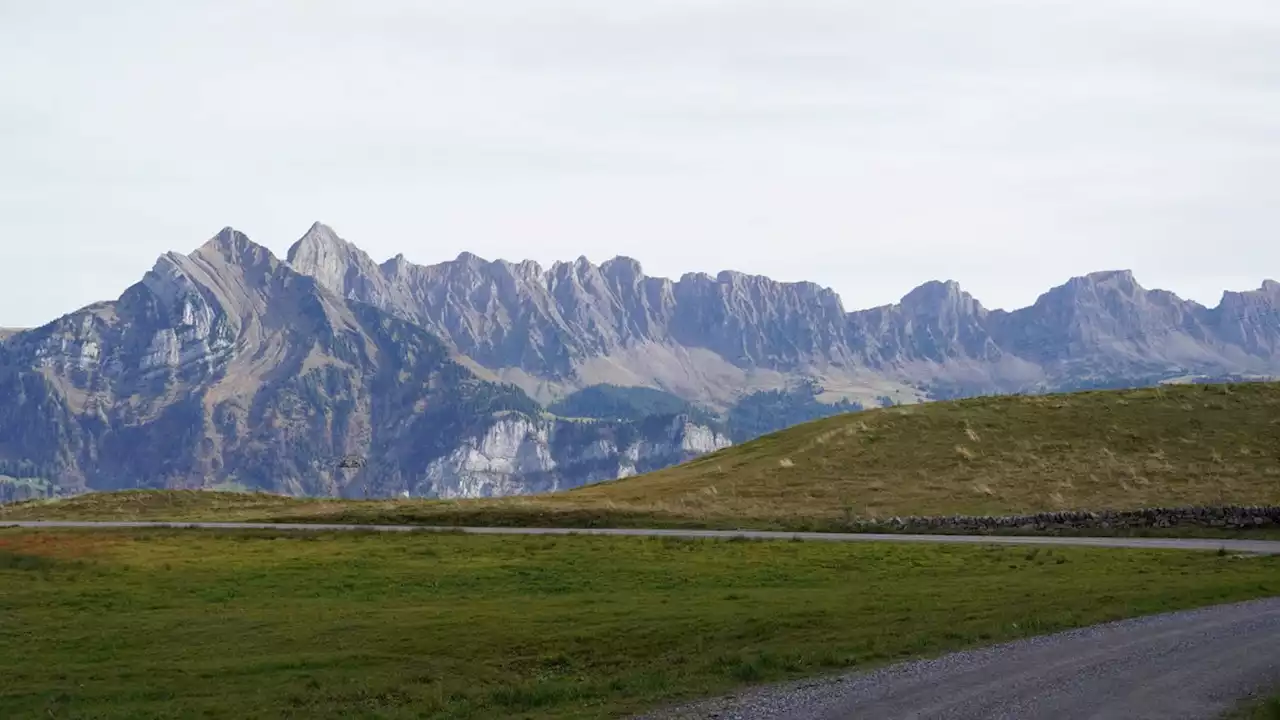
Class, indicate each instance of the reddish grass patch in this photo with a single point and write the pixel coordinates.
(58, 545)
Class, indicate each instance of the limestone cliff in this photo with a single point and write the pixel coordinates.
(521, 455)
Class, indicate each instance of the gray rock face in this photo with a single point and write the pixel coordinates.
(937, 322)
(520, 455)
(226, 367)
(1108, 321)
(1103, 328)
(548, 322)
(1249, 322)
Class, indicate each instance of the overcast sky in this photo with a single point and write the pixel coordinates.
(866, 146)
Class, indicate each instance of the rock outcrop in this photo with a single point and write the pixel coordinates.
(519, 455)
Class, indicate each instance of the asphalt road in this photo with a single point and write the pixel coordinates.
(1264, 547)
(1192, 665)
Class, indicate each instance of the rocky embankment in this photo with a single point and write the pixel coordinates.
(1232, 517)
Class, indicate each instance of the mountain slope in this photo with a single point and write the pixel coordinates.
(228, 368)
(610, 402)
(712, 339)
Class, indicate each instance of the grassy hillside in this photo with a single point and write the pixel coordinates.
(1176, 445)
(166, 505)
(150, 624)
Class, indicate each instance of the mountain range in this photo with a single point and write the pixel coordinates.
(706, 338)
(327, 373)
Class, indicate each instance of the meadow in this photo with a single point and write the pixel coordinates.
(214, 624)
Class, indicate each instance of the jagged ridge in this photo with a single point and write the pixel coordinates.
(563, 324)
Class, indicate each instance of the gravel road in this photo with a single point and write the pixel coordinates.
(1262, 547)
(1192, 665)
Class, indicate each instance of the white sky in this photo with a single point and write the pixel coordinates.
(867, 146)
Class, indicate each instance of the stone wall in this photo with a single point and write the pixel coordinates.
(1231, 517)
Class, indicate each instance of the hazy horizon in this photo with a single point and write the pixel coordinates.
(868, 148)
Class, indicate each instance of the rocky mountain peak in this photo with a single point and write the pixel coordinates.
(936, 323)
(1106, 293)
(1106, 324)
(1268, 292)
(622, 268)
(470, 259)
(1115, 277)
(320, 240)
(227, 237)
(941, 298)
(530, 268)
(231, 245)
(229, 270)
(627, 280)
(323, 255)
(576, 269)
(1251, 319)
(395, 266)
(1106, 281)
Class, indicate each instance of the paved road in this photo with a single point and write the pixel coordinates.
(1264, 547)
(1192, 665)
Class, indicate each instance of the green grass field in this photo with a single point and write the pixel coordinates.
(170, 624)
